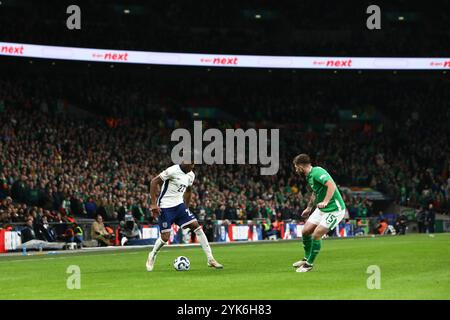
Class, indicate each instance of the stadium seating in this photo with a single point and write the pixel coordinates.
(59, 163)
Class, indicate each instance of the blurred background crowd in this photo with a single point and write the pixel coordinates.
(100, 160)
(78, 140)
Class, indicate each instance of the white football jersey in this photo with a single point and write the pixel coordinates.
(174, 186)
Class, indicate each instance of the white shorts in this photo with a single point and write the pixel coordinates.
(328, 220)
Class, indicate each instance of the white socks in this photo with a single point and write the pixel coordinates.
(204, 242)
(157, 246)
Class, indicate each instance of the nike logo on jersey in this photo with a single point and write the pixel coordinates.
(322, 176)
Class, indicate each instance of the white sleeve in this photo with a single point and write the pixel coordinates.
(192, 178)
(167, 174)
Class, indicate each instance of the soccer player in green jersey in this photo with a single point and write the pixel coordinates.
(329, 212)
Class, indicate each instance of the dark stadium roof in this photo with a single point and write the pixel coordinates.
(252, 27)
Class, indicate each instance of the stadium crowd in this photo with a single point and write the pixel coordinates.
(56, 165)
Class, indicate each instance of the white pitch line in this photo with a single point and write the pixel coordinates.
(62, 257)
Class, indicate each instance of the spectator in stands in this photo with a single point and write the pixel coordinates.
(99, 232)
(121, 212)
(230, 212)
(381, 216)
(27, 233)
(276, 227)
(271, 229)
(69, 234)
(400, 225)
(220, 212)
(44, 231)
(78, 233)
(430, 218)
(208, 229)
(382, 227)
(359, 231)
(286, 212)
(60, 228)
(421, 217)
(76, 206)
(129, 230)
(91, 208)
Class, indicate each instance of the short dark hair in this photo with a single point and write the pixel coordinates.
(302, 159)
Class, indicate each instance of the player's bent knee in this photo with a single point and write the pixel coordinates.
(309, 229)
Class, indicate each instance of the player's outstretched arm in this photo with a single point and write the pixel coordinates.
(155, 184)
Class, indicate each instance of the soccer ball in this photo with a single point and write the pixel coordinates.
(181, 264)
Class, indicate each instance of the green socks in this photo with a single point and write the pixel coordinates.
(315, 248)
(307, 240)
(312, 248)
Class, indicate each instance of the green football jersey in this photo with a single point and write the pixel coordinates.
(316, 179)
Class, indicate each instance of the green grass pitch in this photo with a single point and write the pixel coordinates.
(412, 267)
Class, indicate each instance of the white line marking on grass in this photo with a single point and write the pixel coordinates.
(67, 257)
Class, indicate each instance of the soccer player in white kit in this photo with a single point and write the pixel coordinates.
(172, 206)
